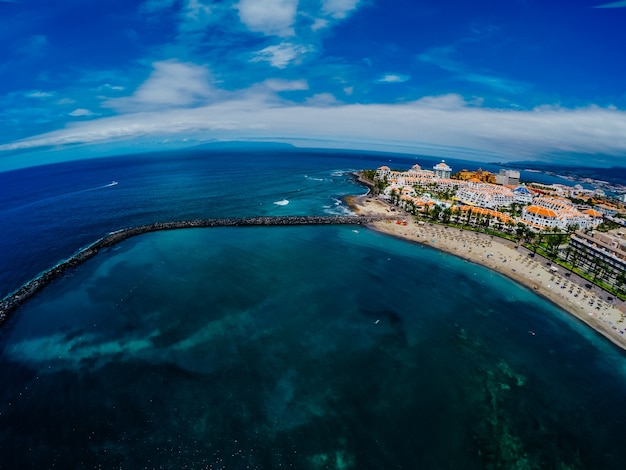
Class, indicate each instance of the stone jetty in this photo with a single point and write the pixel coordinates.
(13, 301)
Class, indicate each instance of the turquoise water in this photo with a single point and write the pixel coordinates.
(301, 347)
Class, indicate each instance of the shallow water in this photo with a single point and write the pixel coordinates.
(301, 347)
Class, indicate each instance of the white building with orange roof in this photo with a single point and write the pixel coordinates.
(486, 195)
(539, 217)
(383, 172)
(442, 170)
(495, 215)
(554, 212)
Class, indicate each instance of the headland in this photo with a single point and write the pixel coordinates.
(567, 290)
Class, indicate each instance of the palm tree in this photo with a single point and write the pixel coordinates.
(447, 214)
(469, 216)
(488, 218)
(436, 211)
(478, 219)
(554, 240)
(457, 214)
(568, 251)
(620, 281)
(599, 269)
(409, 206)
(575, 258)
(394, 196)
(520, 231)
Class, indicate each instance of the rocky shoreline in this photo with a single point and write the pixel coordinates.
(13, 301)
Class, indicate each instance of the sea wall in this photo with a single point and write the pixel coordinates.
(13, 301)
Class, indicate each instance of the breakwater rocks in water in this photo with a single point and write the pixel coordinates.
(13, 301)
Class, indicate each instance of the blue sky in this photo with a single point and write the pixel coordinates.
(487, 79)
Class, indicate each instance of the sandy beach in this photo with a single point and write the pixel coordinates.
(590, 305)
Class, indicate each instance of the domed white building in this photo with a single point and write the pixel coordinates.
(442, 170)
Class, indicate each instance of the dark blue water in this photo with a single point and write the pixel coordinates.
(48, 213)
(282, 347)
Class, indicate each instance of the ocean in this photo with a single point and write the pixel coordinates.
(330, 347)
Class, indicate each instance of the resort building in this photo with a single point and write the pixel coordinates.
(601, 254)
(441, 170)
(508, 178)
(478, 176)
(553, 212)
(419, 178)
(486, 195)
(494, 216)
(523, 195)
(383, 172)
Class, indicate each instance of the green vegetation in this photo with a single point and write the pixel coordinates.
(607, 225)
(369, 175)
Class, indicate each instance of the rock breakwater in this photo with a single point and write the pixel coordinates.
(13, 301)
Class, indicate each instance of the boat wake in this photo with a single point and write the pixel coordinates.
(283, 202)
(62, 196)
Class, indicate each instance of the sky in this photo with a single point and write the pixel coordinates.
(488, 80)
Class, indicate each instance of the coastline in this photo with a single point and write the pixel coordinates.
(505, 257)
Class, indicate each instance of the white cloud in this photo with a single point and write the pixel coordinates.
(432, 123)
(108, 86)
(282, 55)
(319, 23)
(277, 84)
(322, 99)
(338, 8)
(270, 17)
(393, 78)
(195, 9)
(195, 16)
(171, 84)
(79, 112)
(39, 94)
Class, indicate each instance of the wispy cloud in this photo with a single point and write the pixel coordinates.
(81, 112)
(442, 57)
(283, 54)
(431, 122)
(339, 8)
(33, 45)
(613, 5)
(39, 94)
(171, 84)
(108, 86)
(277, 84)
(393, 78)
(270, 17)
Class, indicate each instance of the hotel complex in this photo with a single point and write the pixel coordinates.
(600, 254)
(545, 207)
